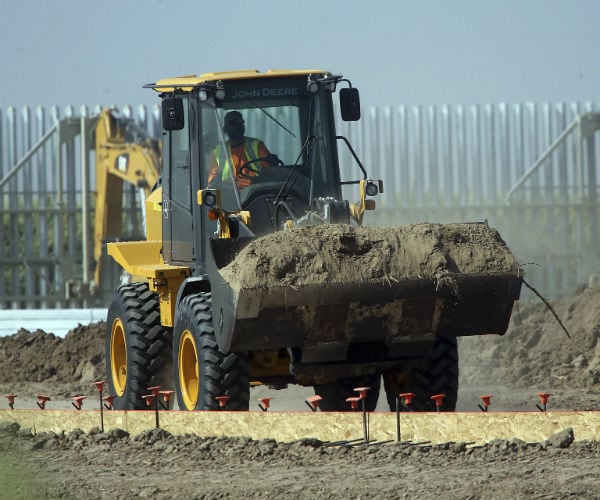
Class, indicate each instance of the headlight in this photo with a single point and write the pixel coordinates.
(220, 94)
(371, 189)
(210, 200)
(312, 87)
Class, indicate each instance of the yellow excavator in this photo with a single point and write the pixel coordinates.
(256, 270)
(124, 155)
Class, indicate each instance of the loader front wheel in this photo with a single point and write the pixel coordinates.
(201, 371)
(436, 375)
(334, 394)
(137, 347)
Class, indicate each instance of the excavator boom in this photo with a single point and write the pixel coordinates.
(119, 160)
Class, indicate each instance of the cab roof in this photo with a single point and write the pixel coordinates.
(189, 82)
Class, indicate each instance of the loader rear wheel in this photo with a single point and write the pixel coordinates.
(437, 375)
(201, 371)
(334, 394)
(137, 346)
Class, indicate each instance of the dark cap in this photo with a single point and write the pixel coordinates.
(233, 118)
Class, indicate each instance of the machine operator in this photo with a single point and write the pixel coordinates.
(241, 150)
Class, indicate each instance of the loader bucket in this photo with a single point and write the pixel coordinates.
(336, 292)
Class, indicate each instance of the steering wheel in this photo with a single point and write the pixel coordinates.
(248, 171)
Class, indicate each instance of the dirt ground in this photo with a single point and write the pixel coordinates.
(535, 355)
(157, 465)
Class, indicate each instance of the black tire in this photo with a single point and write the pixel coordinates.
(138, 348)
(437, 375)
(334, 394)
(201, 371)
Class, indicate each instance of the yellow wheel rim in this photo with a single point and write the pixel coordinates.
(118, 357)
(189, 373)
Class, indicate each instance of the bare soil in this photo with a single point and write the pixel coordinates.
(40, 362)
(156, 464)
(535, 355)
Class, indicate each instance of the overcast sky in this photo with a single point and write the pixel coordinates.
(395, 51)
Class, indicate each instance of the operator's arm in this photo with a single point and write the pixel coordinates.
(263, 152)
(214, 167)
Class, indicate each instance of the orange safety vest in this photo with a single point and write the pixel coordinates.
(251, 146)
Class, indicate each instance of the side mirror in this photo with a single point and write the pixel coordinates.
(173, 117)
(350, 104)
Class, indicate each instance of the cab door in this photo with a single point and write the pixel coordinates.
(178, 227)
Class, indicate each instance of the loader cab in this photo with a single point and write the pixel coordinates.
(288, 143)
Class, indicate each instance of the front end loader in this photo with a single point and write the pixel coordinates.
(262, 273)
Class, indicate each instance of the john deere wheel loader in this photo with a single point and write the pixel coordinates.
(274, 280)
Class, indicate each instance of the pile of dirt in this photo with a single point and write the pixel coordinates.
(40, 357)
(536, 352)
(322, 254)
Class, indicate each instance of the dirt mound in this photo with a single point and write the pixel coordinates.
(536, 352)
(36, 357)
(342, 254)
